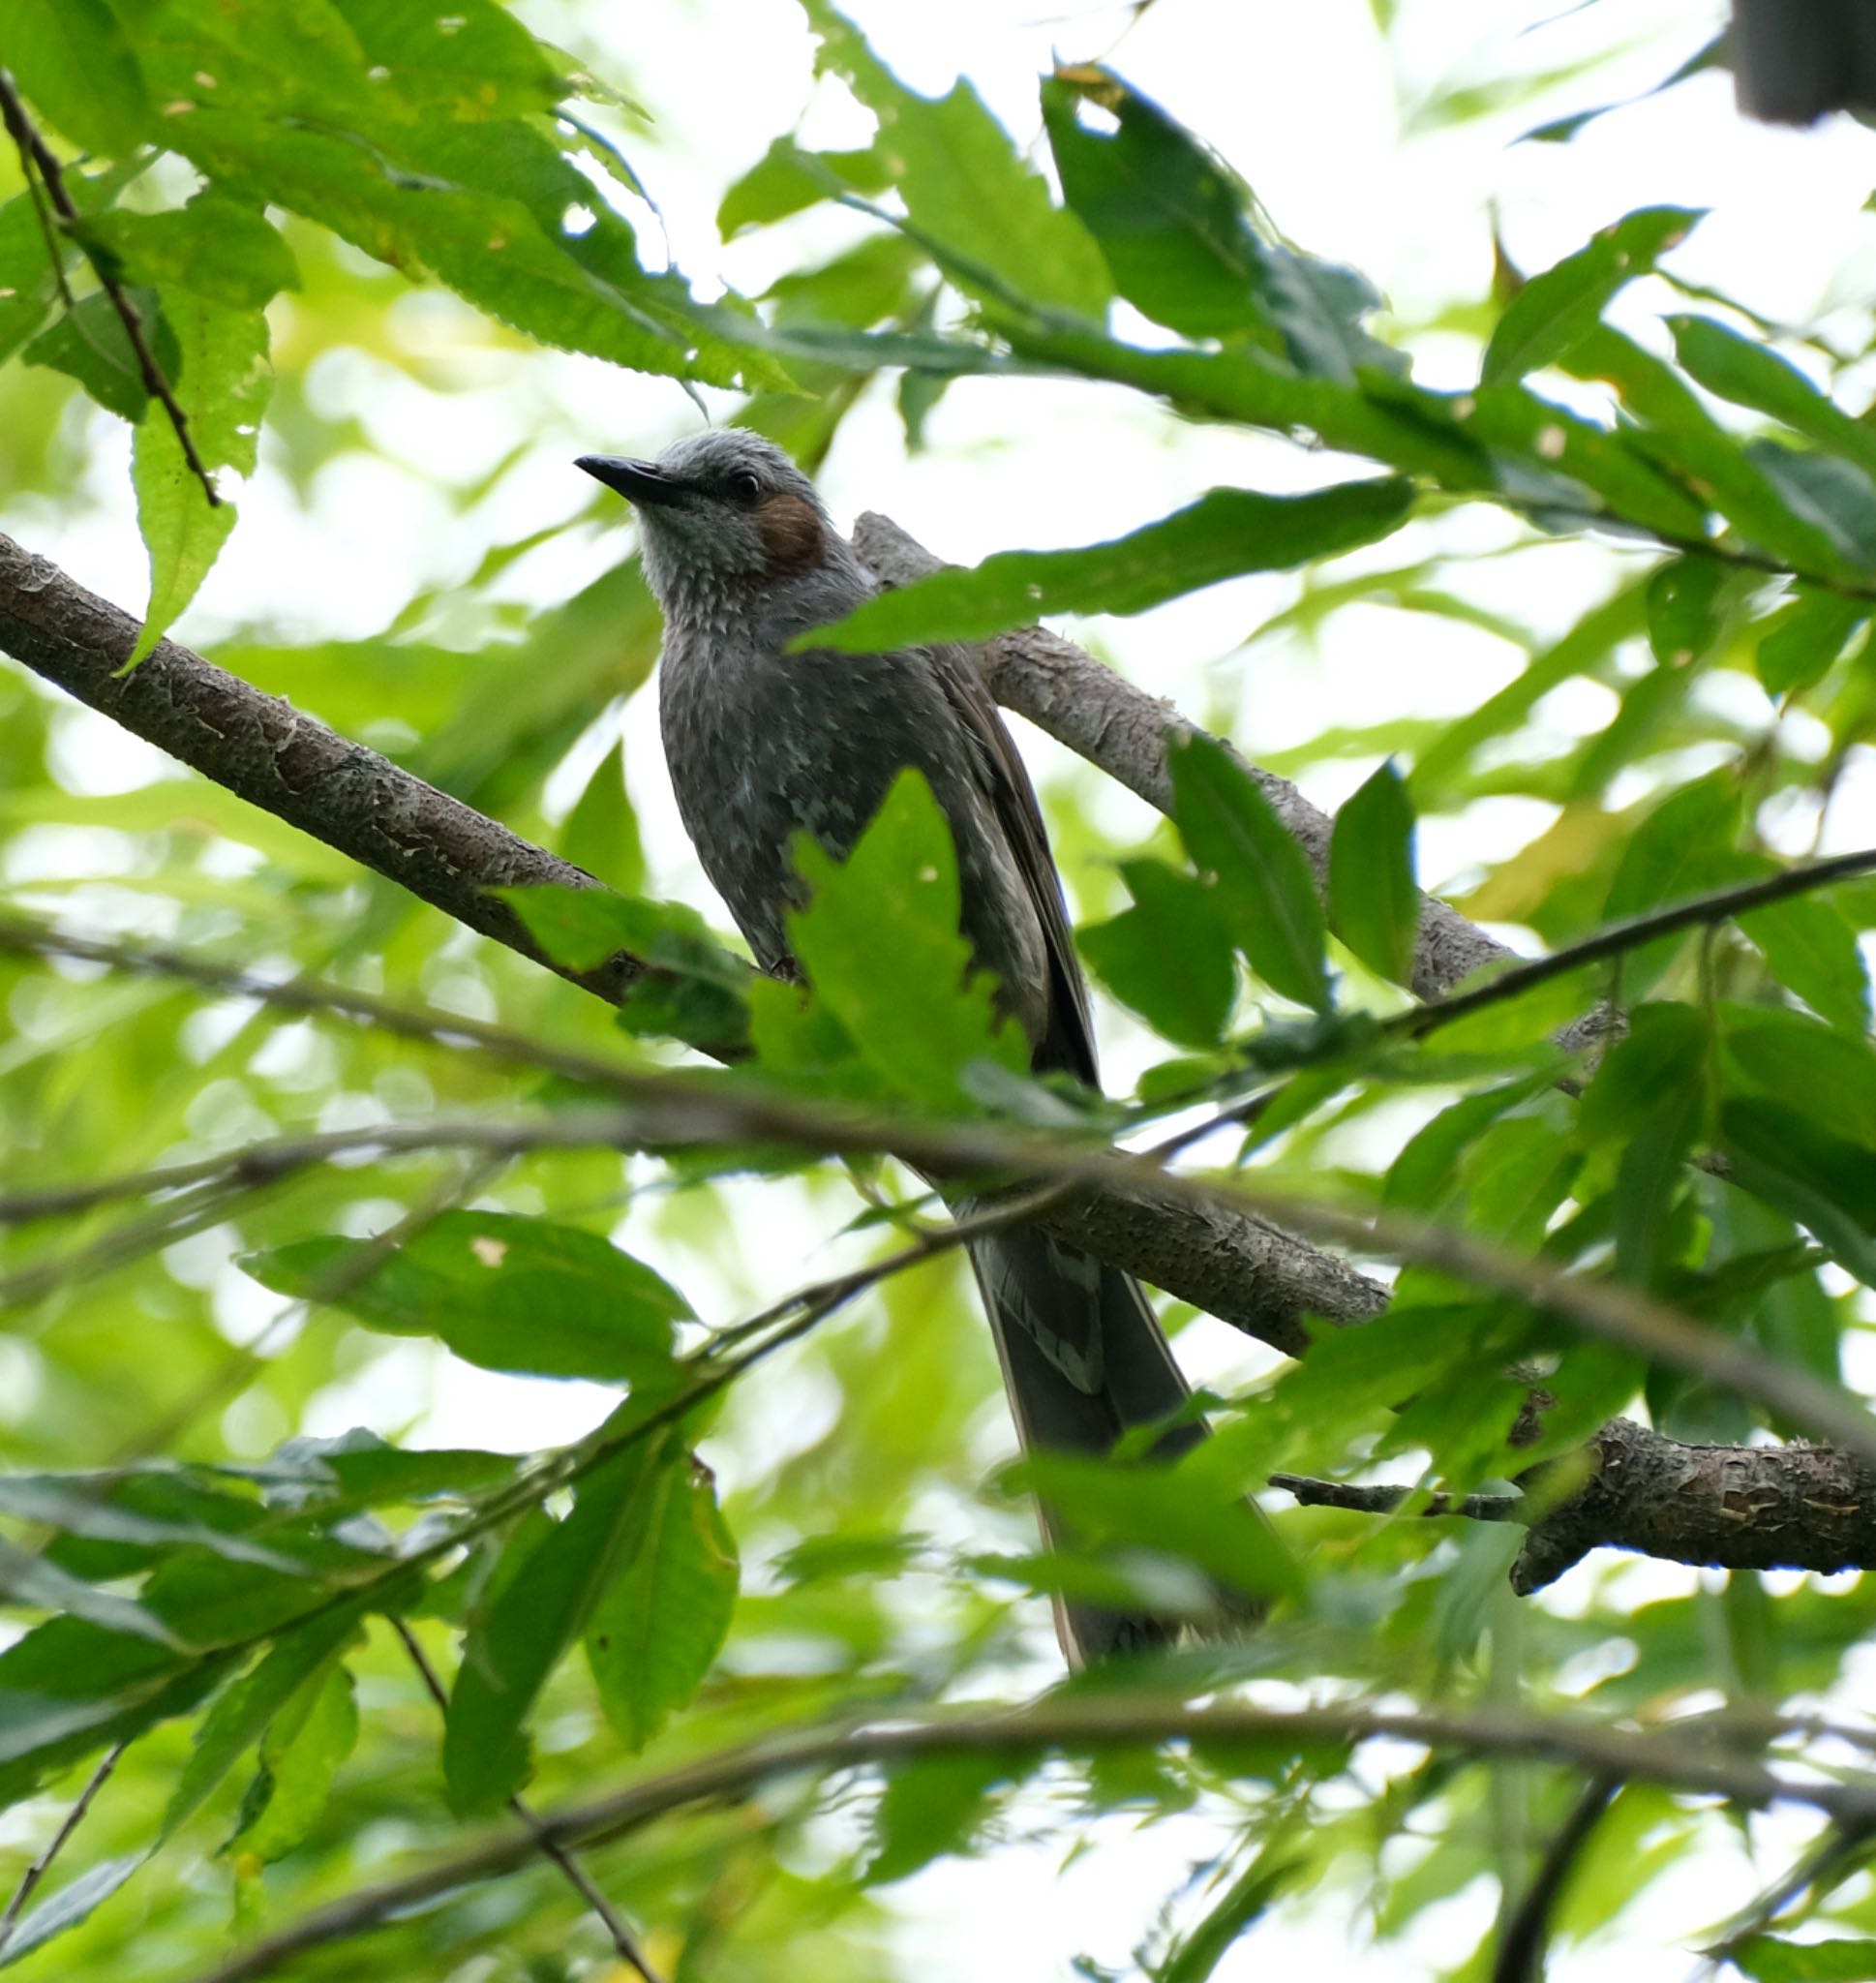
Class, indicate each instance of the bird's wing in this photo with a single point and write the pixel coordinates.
(1067, 1043)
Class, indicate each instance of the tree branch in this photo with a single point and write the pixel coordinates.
(1102, 716)
(1228, 1262)
(37, 158)
(1078, 1724)
(1209, 1247)
(625, 1943)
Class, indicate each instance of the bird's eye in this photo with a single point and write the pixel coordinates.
(743, 487)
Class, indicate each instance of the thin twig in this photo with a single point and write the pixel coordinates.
(1520, 1945)
(680, 1111)
(37, 155)
(73, 1818)
(625, 1943)
(1618, 938)
(1078, 1724)
(1478, 1508)
(1824, 1865)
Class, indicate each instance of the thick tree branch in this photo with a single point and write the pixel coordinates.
(39, 164)
(1102, 716)
(1077, 1726)
(1723, 1507)
(261, 748)
(1228, 1262)
(1208, 1247)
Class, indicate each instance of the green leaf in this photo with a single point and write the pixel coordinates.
(1805, 638)
(1160, 1509)
(785, 179)
(1772, 1959)
(1766, 1050)
(472, 59)
(1750, 375)
(222, 249)
(964, 184)
(27, 1579)
(695, 991)
(1684, 597)
(300, 1756)
(1373, 904)
(246, 1709)
(1793, 1161)
(930, 1807)
(601, 833)
(1649, 1100)
(1683, 848)
(881, 945)
(1175, 226)
(223, 382)
(1223, 534)
(1553, 310)
(505, 1290)
(1264, 887)
(1168, 957)
(660, 1623)
(538, 1613)
(483, 208)
(1813, 951)
(74, 1902)
(88, 343)
(75, 63)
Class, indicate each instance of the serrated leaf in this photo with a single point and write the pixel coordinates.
(1553, 310)
(879, 943)
(1175, 226)
(660, 1623)
(1223, 534)
(222, 249)
(77, 65)
(503, 1290)
(1263, 884)
(1168, 957)
(1373, 903)
(964, 184)
(472, 58)
(88, 343)
(223, 380)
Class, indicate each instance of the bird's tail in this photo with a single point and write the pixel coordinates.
(1083, 1360)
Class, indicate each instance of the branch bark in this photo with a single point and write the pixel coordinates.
(1102, 716)
(1081, 1726)
(1235, 1264)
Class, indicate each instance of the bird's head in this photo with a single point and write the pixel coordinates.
(719, 512)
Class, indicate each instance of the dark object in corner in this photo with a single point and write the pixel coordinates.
(1795, 60)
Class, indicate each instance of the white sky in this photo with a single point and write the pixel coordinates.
(1316, 112)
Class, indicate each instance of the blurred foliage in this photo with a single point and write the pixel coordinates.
(201, 1568)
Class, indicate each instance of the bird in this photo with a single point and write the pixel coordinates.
(765, 741)
(1795, 60)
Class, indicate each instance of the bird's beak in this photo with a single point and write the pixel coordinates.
(638, 481)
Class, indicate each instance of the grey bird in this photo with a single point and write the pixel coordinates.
(763, 744)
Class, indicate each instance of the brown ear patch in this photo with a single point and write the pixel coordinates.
(793, 537)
